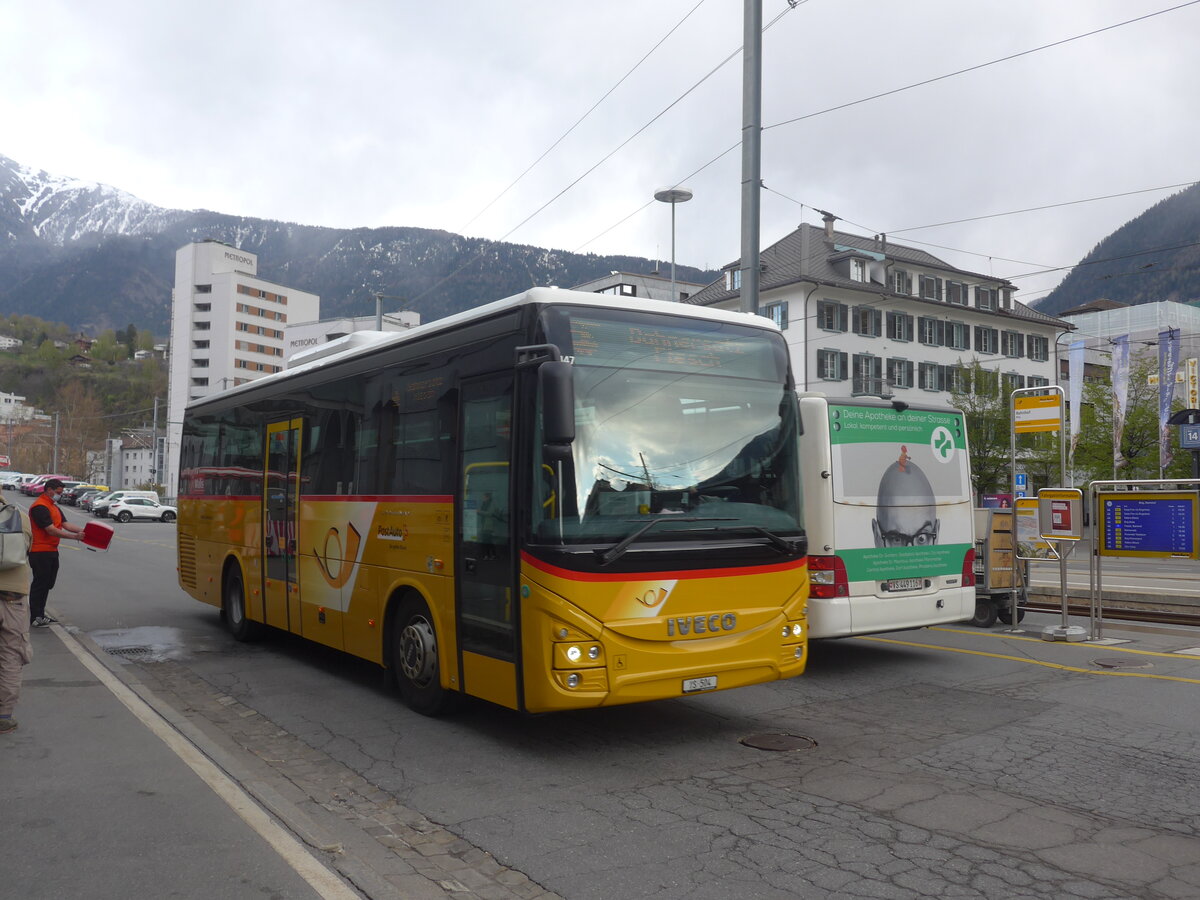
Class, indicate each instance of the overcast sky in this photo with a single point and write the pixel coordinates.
(385, 112)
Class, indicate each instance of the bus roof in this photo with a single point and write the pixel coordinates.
(363, 342)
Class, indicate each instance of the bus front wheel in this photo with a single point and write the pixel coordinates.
(233, 608)
(415, 660)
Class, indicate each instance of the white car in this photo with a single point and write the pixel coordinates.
(141, 508)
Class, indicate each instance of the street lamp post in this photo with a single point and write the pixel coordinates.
(673, 195)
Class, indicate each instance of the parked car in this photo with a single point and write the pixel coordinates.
(100, 504)
(73, 492)
(10, 480)
(38, 484)
(130, 508)
(84, 500)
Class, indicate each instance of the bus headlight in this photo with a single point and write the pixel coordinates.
(797, 629)
(593, 652)
(573, 679)
(574, 654)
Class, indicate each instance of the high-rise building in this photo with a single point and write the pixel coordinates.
(227, 327)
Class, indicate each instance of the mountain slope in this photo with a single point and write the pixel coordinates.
(96, 258)
(1151, 258)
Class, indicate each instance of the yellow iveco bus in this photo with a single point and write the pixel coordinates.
(555, 501)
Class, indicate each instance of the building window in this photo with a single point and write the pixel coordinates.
(831, 316)
(868, 374)
(200, 345)
(931, 332)
(733, 279)
(627, 290)
(831, 365)
(200, 363)
(1038, 347)
(202, 307)
(930, 376)
(899, 326)
(858, 270)
(931, 288)
(987, 340)
(1036, 381)
(202, 326)
(777, 313)
(902, 282)
(958, 379)
(1011, 382)
(958, 336)
(199, 382)
(956, 293)
(1012, 344)
(985, 298)
(203, 288)
(868, 321)
(900, 373)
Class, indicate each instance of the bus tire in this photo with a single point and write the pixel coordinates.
(233, 607)
(416, 663)
(985, 613)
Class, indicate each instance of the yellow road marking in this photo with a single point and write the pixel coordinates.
(1106, 647)
(1035, 662)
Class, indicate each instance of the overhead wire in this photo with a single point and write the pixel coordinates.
(591, 110)
(607, 157)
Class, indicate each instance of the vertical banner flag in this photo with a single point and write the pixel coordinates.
(1075, 377)
(1120, 388)
(1168, 366)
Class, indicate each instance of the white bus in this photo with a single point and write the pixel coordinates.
(889, 514)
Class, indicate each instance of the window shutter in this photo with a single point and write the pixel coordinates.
(841, 364)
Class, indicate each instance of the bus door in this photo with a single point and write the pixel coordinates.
(281, 505)
(485, 551)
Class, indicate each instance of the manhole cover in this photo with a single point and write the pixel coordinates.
(130, 652)
(778, 742)
(1116, 662)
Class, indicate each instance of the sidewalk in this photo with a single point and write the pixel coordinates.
(96, 804)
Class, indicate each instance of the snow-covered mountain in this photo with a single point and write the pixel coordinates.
(60, 210)
(95, 257)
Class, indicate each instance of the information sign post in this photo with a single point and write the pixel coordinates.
(1060, 519)
(1034, 411)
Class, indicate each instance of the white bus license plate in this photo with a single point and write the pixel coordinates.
(707, 683)
(906, 584)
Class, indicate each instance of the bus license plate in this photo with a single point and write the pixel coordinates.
(707, 683)
(906, 584)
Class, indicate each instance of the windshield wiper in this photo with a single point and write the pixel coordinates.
(784, 546)
(617, 550)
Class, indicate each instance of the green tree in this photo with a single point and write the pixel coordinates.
(987, 414)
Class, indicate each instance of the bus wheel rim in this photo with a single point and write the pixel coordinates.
(418, 651)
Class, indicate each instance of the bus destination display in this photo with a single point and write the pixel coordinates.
(665, 346)
(1149, 524)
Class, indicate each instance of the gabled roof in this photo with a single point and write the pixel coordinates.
(808, 255)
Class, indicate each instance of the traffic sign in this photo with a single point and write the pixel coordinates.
(4, 462)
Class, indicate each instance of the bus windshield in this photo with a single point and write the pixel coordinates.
(683, 423)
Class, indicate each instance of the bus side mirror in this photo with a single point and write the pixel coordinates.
(558, 407)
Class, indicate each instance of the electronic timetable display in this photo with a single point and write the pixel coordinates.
(1149, 523)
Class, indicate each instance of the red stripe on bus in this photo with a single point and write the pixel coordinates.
(681, 575)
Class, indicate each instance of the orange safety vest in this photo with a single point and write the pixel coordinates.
(43, 541)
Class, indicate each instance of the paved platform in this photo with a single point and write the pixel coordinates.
(953, 761)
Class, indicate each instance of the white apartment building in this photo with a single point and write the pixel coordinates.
(13, 408)
(227, 327)
(9, 343)
(306, 335)
(129, 463)
(866, 316)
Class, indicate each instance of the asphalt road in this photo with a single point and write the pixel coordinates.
(662, 800)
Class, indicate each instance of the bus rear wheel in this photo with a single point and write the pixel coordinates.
(233, 608)
(415, 660)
